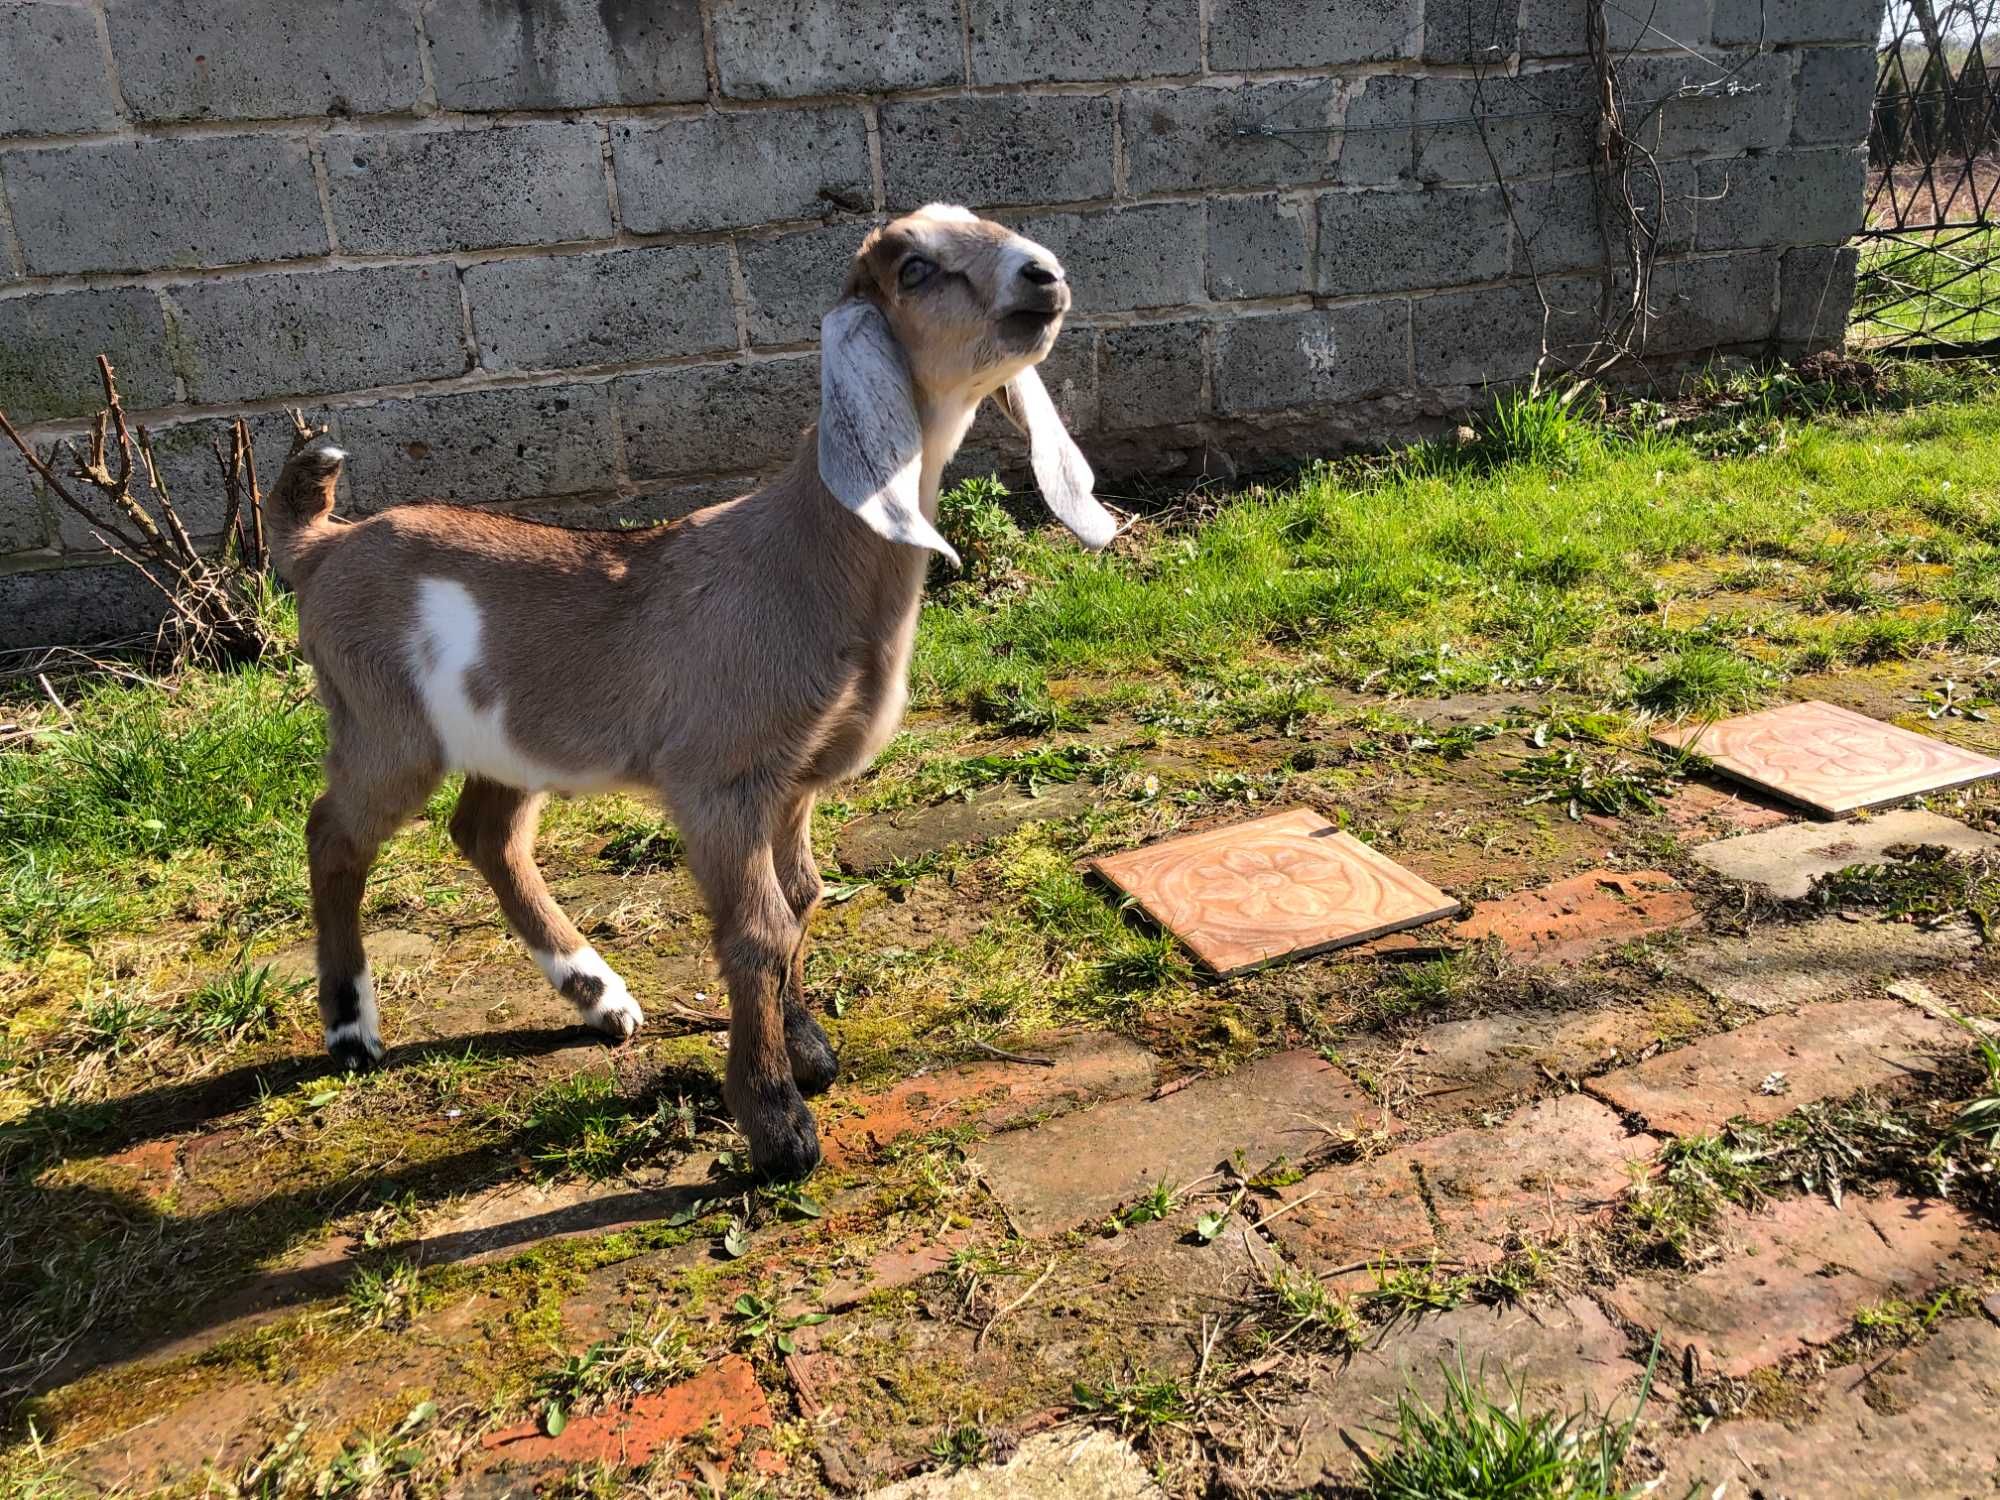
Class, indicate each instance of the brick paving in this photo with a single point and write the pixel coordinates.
(1769, 1068)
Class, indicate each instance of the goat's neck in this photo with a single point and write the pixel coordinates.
(945, 420)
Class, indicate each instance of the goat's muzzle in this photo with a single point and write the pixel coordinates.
(1033, 319)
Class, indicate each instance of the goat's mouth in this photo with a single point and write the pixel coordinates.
(1030, 326)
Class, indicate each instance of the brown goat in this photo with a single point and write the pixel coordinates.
(733, 663)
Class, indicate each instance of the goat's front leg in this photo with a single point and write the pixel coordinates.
(756, 937)
(494, 827)
(814, 1065)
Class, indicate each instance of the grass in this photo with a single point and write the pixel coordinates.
(1473, 1447)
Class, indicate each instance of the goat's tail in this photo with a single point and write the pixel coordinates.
(296, 509)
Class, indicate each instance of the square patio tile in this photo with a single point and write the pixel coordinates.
(1830, 760)
(1281, 886)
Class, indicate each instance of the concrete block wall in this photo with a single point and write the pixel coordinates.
(568, 257)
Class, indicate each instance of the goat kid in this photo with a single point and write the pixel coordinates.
(733, 663)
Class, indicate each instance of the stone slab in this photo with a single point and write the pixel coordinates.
(1925, 1425)
(1821, 1052)
(1079, 1168)
(1093, 1465)
(1828, 759)
(1281, 886)
(1777, 967)
(1795, 1273)
(1562, 1355)
(1785, 861)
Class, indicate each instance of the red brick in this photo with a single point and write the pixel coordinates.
(148, 1167)
(992, 1093)
(1581, 915)
(908, 1260)
(1796, 1273)
(1699, 808)
(726, 1395)
(1823, 1051)
(1552, 1161)
(1079, 1168)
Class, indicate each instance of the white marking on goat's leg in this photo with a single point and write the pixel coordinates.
(360, 1029)
(594, 988)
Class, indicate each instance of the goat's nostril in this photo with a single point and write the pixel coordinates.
(1040, 275)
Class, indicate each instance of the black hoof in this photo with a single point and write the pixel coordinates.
(814, 1065)
(784, 1143)
(354, 1055)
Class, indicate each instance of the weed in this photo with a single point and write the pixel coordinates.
(1401, 1291)
(581, 1126)
(1673, 1207)
(385, 1297)
(113, 1025)
(1430, 984)
(241, 1003)
(1023, 708)
(1475, 1447)
(960, 1446)
(1136, 1402)
(1301, 1302)
(1143, 963)
(975, 519)
(1583, 782)
(1901, 1321)
(1158, 1202)
(653, 1351)
(640, 849)
(1933, 886)
(757, 1318)
(370, 1463)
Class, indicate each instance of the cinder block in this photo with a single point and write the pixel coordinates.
(1375, 145)
(1115, 259)
(1471, 338)
(788, 49)
(724, 171)
(477, 447)
(1249, 34)
(1753, 115)
(1257, 247)
(49, 343)
(409, 192)
(556, 312)
(1815, 295)
(76, 607)
(1471, 31)
(1748, 22)
(157, 204)
(54, 81)
(793, 279)
(1534, 125)
(1303, 359)
(252, 60)
(1041, 41)
(1555, 28)
(1386, 242)
(733, 418)
(993, 446)
(1718, 300)
(565, 54)
(1786, 198)
(24, 515)
(1836, 95)
(1151, 376)
(311, 333)
(993, 149)
(1562, 223)
(1228, 136)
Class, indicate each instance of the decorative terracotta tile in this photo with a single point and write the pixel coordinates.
(1280, 886)
(1830, 760)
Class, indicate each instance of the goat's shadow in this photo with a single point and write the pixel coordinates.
(177, 1252)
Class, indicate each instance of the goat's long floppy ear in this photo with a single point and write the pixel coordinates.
(871, 445)
(1061, 471)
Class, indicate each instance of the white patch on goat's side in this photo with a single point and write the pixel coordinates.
(366, 1027)
(444, 649)
(614, 1012)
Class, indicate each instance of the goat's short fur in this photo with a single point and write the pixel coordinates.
(733, 663)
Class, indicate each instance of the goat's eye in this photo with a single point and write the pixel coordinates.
(916, 271)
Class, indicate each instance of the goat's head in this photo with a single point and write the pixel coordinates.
(941, 310)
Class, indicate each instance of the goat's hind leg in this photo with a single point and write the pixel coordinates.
(494, 828)
(814, 1065)
(347, 825)
(756, 939)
